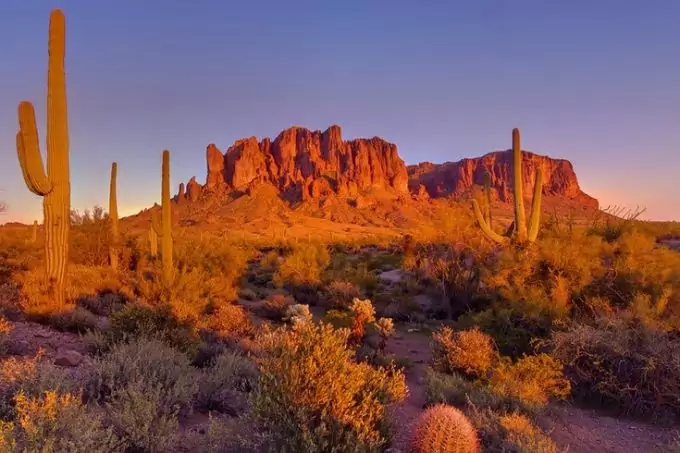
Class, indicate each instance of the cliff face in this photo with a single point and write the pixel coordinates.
(304, 165)
(458, 178)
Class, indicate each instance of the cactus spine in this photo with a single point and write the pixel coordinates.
(164, 227)
(518, 232)
(443, 429)
(113, 218)
(54, 186)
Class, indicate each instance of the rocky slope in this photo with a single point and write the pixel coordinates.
(313, 165)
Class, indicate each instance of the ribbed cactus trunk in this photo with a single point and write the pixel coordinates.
(54, 186)
(34, 234)
(164, 227)
(487, 198)
(518, 187)
(153, 242)
(114, 247)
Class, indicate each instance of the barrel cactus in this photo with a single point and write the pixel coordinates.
(55, 184)
(518, 232)
(443, 429)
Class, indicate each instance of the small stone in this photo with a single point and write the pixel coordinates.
(43, 334)
(68, 358)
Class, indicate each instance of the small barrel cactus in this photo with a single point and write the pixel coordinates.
(443, 429)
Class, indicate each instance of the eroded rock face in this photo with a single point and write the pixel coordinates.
(457, 178)
(308, 164)
(215, 160)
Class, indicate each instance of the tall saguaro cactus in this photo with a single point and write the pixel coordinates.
(519, 231)
(487, 198)
(55, 185)
(113, 218)
(164, 227)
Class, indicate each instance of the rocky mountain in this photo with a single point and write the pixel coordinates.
(314, 165)
(458, 178)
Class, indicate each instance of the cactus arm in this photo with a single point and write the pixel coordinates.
(28, 151)
(518, 187)
(156, 224)
(491, 234)
(535, 219)
(487, 198)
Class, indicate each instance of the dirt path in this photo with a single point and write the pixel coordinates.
(574, 430)
(416, 347)
(583, 431)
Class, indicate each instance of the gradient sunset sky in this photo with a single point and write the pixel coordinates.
(595, 82)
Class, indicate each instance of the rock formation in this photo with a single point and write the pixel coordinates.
(310, 165)
(458, 178)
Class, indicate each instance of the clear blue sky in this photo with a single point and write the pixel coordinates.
(593, 81)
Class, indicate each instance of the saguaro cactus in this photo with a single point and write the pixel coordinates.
(113, 218)
(487, 198)
(55, 185)
(34, 233)
(164, 227)
(519, 231)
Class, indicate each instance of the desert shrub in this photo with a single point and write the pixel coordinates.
(83, 281)
(56, 422)
(622, 364)
(191, 293)
(297, 314)
(303, 266)
(104, 303)
(364, 314)
(228, 321)
(339, 319)
(224, 383)
(136, 320)
(455, 390)
(469, 352)
(216, 257)
(247, 294)
(90, 237)
(224, 435)
(312, 395)
(76, 319)
(513, 432)
(512, 327)
(533, 380)
(5, 329)
(33, 377)
(340, 294)
(145, 386)
(275, 306)
(270, 260)
(445, 429)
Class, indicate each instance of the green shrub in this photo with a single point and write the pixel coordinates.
(312, 395)
(303, 266)
(513, 432)
(224, 383)
(55, 422)
(145, 386)
(623, 364)
(469, 352)
(137, 320)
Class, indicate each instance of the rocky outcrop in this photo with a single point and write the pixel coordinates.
(305, 164)
(458, 178)
(310, 165)
(215, 160)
